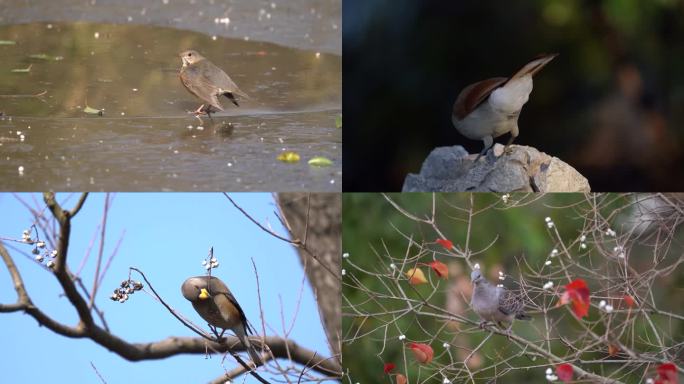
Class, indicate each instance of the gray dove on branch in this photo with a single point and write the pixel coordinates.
(495, 304)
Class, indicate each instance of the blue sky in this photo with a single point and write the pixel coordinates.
(167, 236)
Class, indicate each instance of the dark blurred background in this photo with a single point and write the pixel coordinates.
(610, 105)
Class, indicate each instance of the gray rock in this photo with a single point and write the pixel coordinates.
(525, 169)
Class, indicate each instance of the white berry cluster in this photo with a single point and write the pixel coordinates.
(583, 243)
(40, 251)
(550, 376)
(605, 306)
(211, 263)
(549, 222)
(128, 287)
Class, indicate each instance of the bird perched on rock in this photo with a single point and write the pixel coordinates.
(212, 300)
(495, 304)
(490, 108)
(207, 81)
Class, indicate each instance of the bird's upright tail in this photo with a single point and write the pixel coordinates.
(251, 349)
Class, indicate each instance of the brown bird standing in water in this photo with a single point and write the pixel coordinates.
(207, 81)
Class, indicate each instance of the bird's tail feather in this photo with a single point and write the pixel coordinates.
(251, 349)
(232, 98)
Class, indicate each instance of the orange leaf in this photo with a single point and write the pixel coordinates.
(416, 276)
(564, 372)
(577, 293)
(446, 243)
(629, 300)
(613, 349)
(440, 269)
(389, 367)
(422, 352)
(401, 379)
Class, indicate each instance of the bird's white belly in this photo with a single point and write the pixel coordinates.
(511, 97)
(485, 121)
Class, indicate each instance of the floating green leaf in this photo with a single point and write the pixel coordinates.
(289, 157)
(338, 122)
(93, 111)
(43, 56)
(320, 161)
(7, 42)
(23, 70)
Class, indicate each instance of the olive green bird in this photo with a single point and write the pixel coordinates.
(214, 302)
(207, 81)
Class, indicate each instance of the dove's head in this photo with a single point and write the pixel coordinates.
(476, 276)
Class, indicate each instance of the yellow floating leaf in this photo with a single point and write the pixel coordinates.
(338, 122)
(320, 161)
(43, 56)
(289, 157)
(23, 70)
(93, 111)
(416, 276)
(7, 42)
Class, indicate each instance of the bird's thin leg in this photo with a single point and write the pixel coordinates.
(507, 148)
(215, 332)
(507, 330)
(199, 111)
(482, 324)
(488, 142)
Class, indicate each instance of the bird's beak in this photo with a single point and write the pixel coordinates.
(204, 294)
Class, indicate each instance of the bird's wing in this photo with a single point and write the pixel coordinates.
(197, 83)
(510, 303)
(220, 79)
(227, 302)
(474, 94)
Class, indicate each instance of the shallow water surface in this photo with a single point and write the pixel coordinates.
(145, 139)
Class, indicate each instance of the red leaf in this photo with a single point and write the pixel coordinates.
(446, 243)
(389, 367)
(422, 352)
(440, 269)
(564, 372)
(629, 300)
(401, 379)
(613, 349)
(667, 374)
(577, 293)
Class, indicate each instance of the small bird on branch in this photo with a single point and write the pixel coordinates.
(495, 303)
